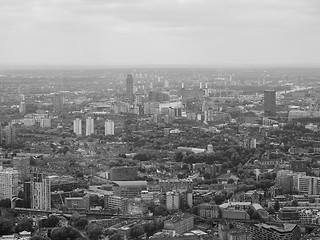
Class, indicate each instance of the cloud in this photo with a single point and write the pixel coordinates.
(159, 31)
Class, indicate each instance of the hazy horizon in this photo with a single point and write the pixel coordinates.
(195, 33)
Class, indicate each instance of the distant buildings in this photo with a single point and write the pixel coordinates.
(10, 133)
(23, 108)
(89, 126)
(45, 122)
(179, 224)
(173, 200)
(270, 108)
(22, 165)
(109, 127)
(8, 184)
(58, 102)
(129, 189)
(77, 126)
(264, 231)
(77, 203)
(129, 88)
(175, 184)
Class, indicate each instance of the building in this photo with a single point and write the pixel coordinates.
(10, 134)
(116, 203)
(23, 108)
(58, 102)
(129, 189)
(175, 184)
(179, 224)
(124, 173)
(270, 108)
(45, 122)
(284, 231)
(207, 210)
(109, 127)
(89, 126)
(309, 185)
(37, 192)
(173, 200)
(8, 184)
(77, 203)
(77, 126)
(22, 165)
(129, 88)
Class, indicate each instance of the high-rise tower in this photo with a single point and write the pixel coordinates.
(129, 88)
(89, 126)
(109, 127)
(77, 126)
(270, 108)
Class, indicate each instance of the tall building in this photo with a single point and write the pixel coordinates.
(23, 108)
(8, 184)
(10, 133)
(270, 107)
(109, 127)
(58, 102)
(89, 126)
(77, 126)
(45, 122)
(173, 200)
(37, 192)
(129, 88)
(1, 135)
(309, 185)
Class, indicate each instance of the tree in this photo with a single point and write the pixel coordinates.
(116, 236)
(160, 210)
(178, 156)
(94, 231)
(5, 203)
(80, 223)
(230, 181)
(6, 226)
(276, 206)
(38, 237)
(295, 203)
(52, 221)
(256, 216)
(64, 233)
(25, 224)
(137, 231)
(271, 210)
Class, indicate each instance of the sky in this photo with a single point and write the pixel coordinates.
(160, 32)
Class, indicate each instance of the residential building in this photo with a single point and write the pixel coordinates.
(45, 122)
(179, 224)
(10, 134)
(109, 127)
(124, 173)
(128, 189)
(58, 102)
(207, 210)
(77, 126)
(284, 231)
(309, 185)
(175, 184)
(77, 203)
(116, 203)
(173, 200)
(8, 184)
(89, 126)
(22, 165)
(129, 88)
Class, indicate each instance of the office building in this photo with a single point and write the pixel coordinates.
(270, 108)
(77, 203)
(77, 126)
(207, 210)
(129, 88)
(8, 184)
(37, 192)
(89, 126)
(173, 200)
(109, 127)
(10, 134)
(116, 203)
(179, 224)
(128, 189)
(58, 102)
(309, 185)
(270, 232)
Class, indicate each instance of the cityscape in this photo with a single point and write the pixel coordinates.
(159, 120)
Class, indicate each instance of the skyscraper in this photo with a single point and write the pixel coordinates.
(109, 127)
(23, 108)
(8, 184)
(77, 126)
(129, 88)
(270, 107)
(89, 126)
(10, 133)
(58, 103)
(37, 192)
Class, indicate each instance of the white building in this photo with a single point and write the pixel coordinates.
(309, 185)
(8, 183)
(89, 126)
(77, 126)
(172, 200)
(109, 127)
(29, 122)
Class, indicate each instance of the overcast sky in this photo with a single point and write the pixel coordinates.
(136, 32)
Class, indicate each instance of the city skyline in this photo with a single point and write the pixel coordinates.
(179, 32)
